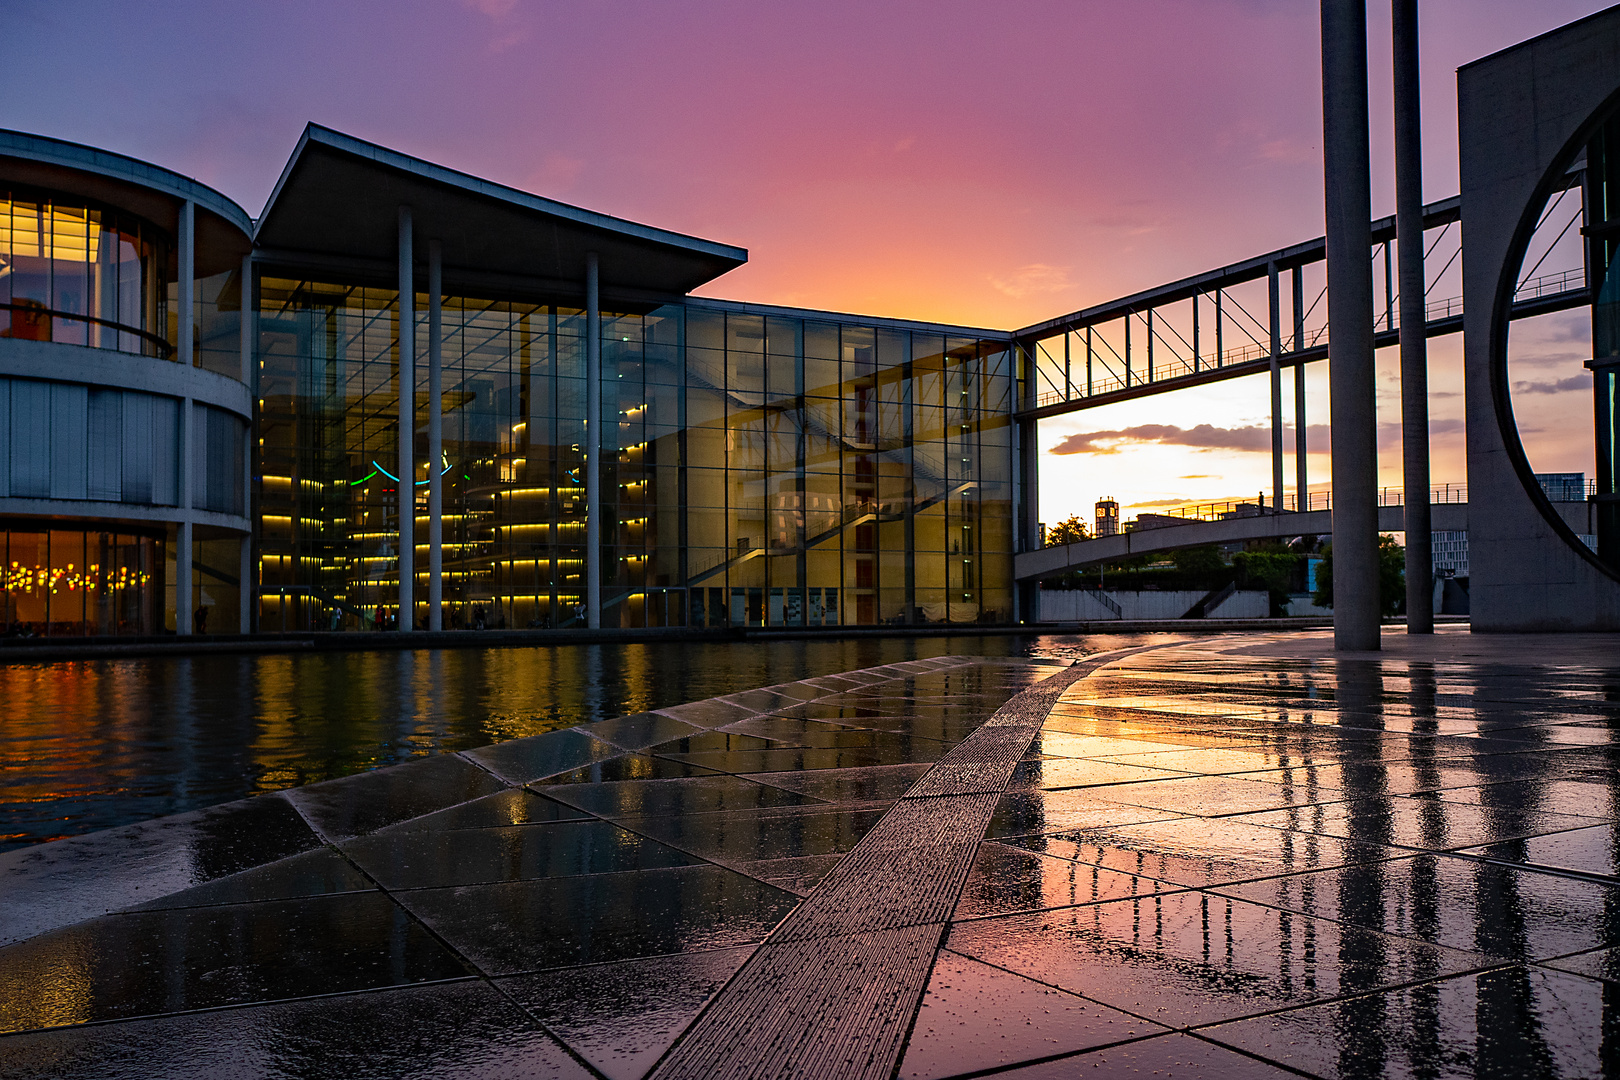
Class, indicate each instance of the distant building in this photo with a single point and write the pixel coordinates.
(1107, 517)
(1451, 554)
(1563, 486)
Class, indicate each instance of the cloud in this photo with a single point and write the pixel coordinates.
(1582, 381)
(1254, 439)
(1034, 278)
(1199, 476)
(499, 12)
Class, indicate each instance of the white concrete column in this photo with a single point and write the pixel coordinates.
(245, 577)
(1414, 321)
(435, 437)
(593, 444)
(1275, 298)
(1348, 182)
(1301, 464)
(406, 386)
(249, 328)
(185, 289)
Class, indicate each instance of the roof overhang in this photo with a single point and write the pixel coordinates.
(338, 201)
(126, 183)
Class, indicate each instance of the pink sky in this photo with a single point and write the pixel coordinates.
(983, 163)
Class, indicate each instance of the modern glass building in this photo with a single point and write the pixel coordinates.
(582, 442)
(123, 476)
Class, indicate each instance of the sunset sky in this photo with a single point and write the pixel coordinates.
(990, 164)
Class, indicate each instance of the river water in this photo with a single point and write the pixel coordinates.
(92, 744)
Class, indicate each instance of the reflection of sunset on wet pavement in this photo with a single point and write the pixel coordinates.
(1212, 857)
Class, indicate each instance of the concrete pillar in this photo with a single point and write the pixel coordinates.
(1348, 183)
(245, 578)
(435, 437)
(1301, 469)
(185, 289)
(1414, 321)
(1275, 298)
(406, 386)
(249, 329)
(593, 444)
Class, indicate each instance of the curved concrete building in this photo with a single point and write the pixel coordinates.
(124, 406)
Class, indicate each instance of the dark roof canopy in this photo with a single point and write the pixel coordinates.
(339, 197)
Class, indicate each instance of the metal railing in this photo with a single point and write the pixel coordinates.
(1228, 509)
(1561, 283)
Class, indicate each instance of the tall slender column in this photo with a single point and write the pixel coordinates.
(1300, 425)
(1348, 183)
(593, 444)
(185, 289)
(249, 327)
(435, 437)
(407, 424)
(1414, 322)
(1276, 390)
(183, 536)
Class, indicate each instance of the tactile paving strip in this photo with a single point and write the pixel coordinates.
(833, 990)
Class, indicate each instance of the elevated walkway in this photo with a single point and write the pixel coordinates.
(1168, 534)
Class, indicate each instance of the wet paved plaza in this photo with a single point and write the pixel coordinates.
(1240, 857)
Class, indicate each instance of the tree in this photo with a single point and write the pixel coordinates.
(1070, 530)
(1272, 570)
(1391, 577)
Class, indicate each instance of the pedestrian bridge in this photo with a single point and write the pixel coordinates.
(1231, 523)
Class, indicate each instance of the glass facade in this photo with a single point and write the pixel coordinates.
(81, 275)
(758, 469)
(73, 582)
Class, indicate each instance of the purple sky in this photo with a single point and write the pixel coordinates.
(982, 163)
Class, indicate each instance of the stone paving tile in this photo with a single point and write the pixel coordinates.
(629, 767)
(1080, 773)
(638, 730)
(1181, 1056)
(1594, 849)
(735, 836)
(620, 1017)
(365, 802)
(522, 926)
(882, 783)
(515, 806)
(444, 1031)
(437, 859)
(975, 1016)
(799, 875)
(233, 954)
(1512, 1021)
(1022, 813)
(1007, 879)
(1418, 823)
(314, 873)
(519, 761)
(61, 883)
(1214, 796)
(698, 795)
(1201, 852)
(1188, 958)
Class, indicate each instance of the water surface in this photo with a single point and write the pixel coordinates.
(92, 744)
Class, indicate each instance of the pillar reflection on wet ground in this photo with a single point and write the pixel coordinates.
(1241, 856)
